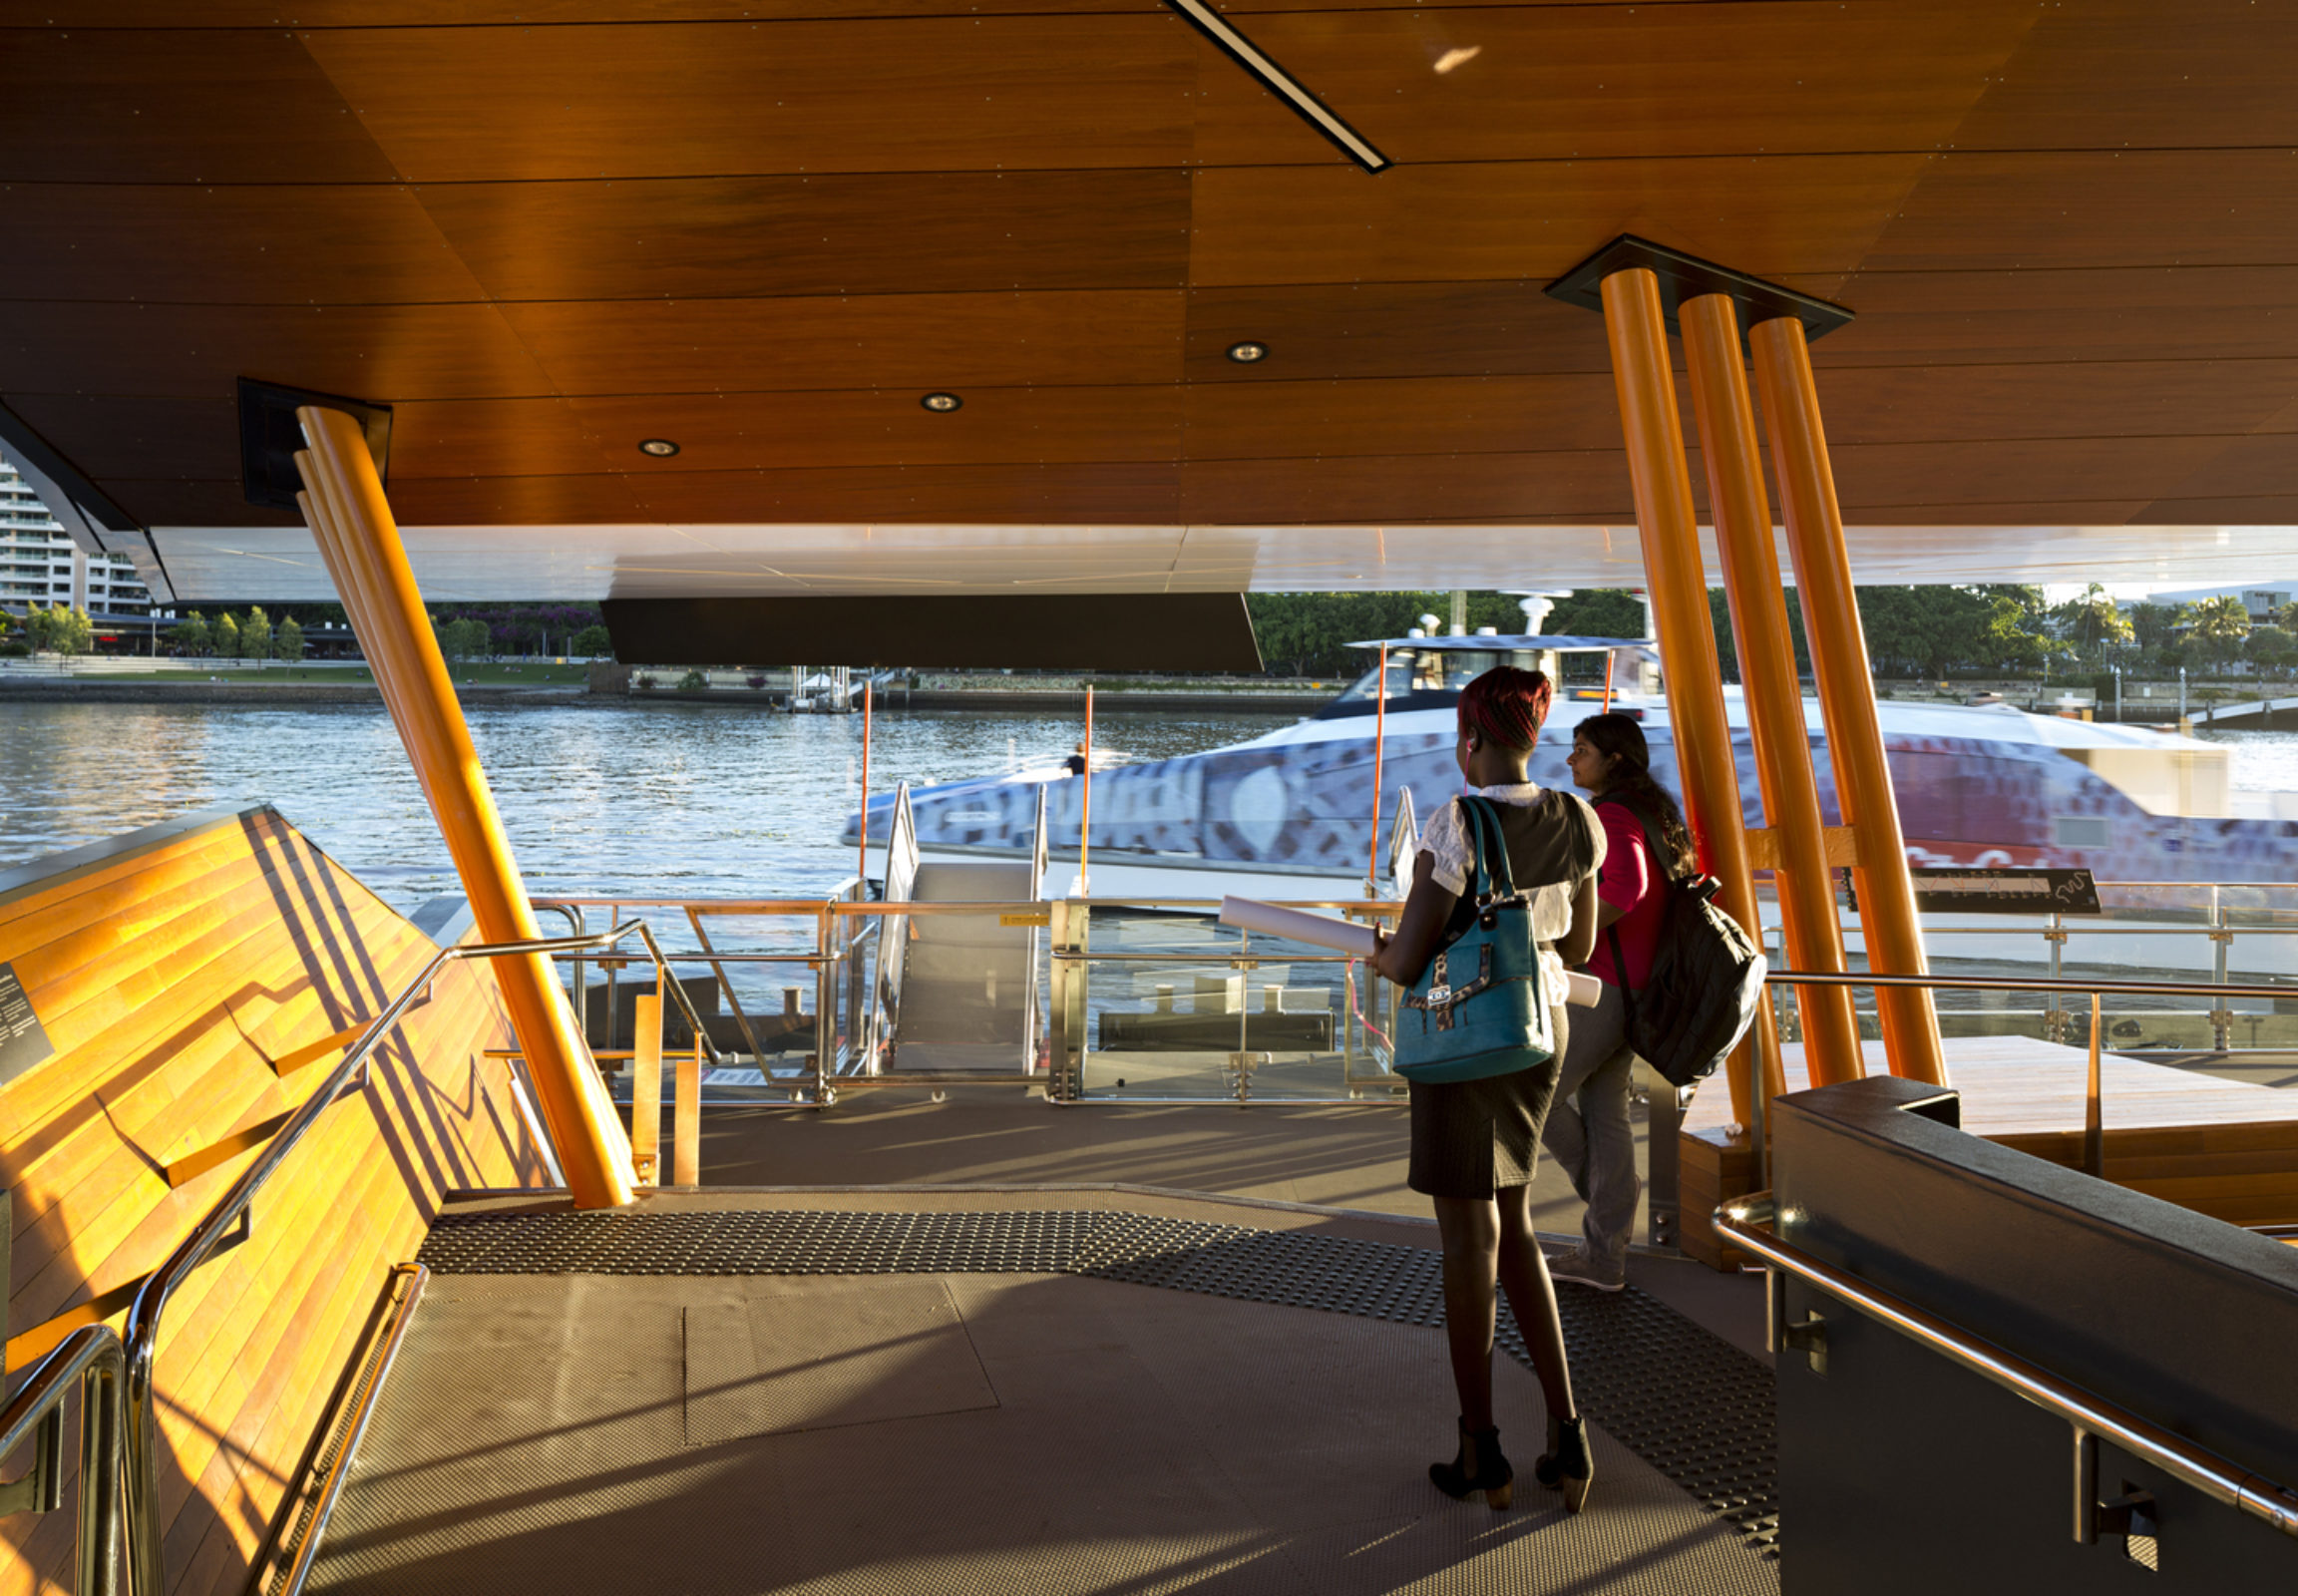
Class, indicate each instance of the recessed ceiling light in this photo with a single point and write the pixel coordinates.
(1248, 352)
(942, 402)
(660, 448)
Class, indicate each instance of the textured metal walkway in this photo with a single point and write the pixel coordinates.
(986, 1399)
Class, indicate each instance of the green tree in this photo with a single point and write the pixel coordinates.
(2270, 648)
(2155, 625)
(475, 638)
(593, 641)
(287, 641)
(2094, 622)
(59, 628)
(255, 635)
(448, 633)
(223, 638)
(190, 635)
(2216, 627)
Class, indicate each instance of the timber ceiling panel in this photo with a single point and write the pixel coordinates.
(1617, 83)
(544, 231)
(197, 351)
(754, 237)
(104, 106)
(920, 342)
(927, 94)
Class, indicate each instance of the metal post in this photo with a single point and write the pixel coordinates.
(1065, 1042)
(1888, 918)
(686, 1119)
(1663, 1190)
(2093, 1118)
(2221, 945)
(1810, 928)
(825, 1008)
(861, 847)
(647, 1086)
(1654, 433)
(1085, 813)
(359, 539)
(1379, 752)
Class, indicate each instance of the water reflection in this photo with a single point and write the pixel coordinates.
(666, 799)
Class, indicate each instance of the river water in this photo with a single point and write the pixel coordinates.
(662, 799)
(684, 800)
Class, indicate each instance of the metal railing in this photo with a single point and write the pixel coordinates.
(91, 1361)
(1748, 1222)
(2093, 1116)
(2212, 911)
(836, 1046)
(362, 1409)
(142, 1337)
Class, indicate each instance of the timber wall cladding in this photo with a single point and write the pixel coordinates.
(196, 981)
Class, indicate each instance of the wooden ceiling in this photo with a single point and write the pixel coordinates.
(543, 232)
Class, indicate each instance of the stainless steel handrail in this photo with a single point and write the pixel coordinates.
(362, 1409)
(668, 981)
(89, 1357)
(142, 1337)
(1748, 1221)
(1867, 978)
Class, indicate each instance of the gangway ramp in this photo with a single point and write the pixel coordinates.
(959, 992)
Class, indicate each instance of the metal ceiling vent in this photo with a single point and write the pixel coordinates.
(1278, 82)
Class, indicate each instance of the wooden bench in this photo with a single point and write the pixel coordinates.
(194, 981)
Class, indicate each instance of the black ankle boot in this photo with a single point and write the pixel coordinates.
(1480, 1467)
(1566, 1465)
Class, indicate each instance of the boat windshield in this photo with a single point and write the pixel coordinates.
(1415, 674)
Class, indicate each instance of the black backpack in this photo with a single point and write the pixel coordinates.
(1707, 979)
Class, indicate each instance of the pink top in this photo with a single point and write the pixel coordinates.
(1629, 882)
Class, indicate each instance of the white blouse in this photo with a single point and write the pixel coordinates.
(1446, 842)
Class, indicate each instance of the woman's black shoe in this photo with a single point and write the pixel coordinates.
(1566, 1465)
(1480, 1467)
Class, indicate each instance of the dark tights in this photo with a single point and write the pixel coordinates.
(1488, 1242)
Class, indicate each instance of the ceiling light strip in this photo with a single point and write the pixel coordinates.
(1273, 77)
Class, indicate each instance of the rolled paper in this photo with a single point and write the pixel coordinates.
(1347, 937)
(1322, 931)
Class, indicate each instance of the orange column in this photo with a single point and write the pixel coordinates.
(369, 563)
(1888, 916)
(1678, 587)
(1774, 699)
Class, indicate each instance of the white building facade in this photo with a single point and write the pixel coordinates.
(40, 563)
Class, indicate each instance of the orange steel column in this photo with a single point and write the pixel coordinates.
(1742, 515)
(1846, 680)
(1679, 585)
(369, 563)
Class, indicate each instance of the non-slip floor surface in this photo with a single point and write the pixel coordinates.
(959, 1432)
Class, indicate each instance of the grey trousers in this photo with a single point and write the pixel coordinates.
(1588, 1131)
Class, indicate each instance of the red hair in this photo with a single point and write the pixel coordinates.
(1505, 705)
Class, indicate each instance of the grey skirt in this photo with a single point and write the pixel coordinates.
(1472, 1138)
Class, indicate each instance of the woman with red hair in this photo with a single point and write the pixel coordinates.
(1475, 1142)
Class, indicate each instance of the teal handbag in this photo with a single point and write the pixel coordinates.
(1479, 1009)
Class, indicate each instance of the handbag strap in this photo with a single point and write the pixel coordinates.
(1490, 847)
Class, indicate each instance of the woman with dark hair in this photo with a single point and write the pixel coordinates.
(1588, 1131)
(1475, 1142)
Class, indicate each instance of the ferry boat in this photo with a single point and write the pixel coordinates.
(1291, 811)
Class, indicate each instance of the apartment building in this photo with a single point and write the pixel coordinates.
(40, 563)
